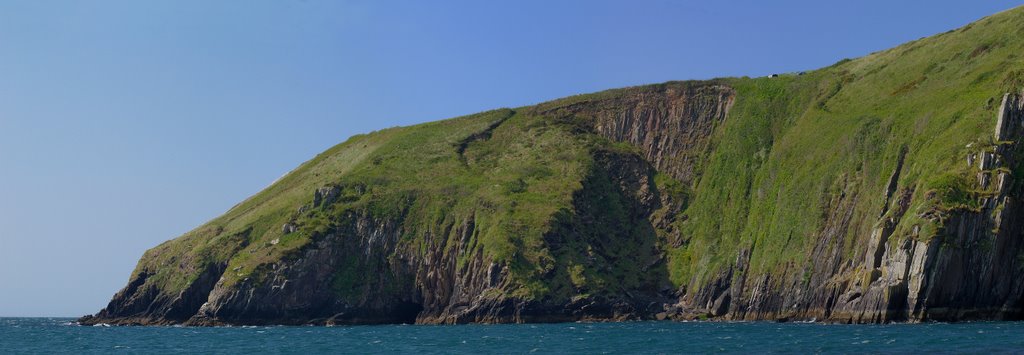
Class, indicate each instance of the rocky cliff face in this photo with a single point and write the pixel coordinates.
(971, 269)
(672, 124)
(363, 272)
(364, 268)
(879, 189)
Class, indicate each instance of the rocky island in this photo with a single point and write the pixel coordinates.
(879, 189)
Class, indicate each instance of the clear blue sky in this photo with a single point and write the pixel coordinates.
(127, 123)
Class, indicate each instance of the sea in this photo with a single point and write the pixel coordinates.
(62, 335)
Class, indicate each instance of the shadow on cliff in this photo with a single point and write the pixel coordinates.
(608, 264)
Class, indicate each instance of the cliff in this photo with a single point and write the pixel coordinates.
(878, 189)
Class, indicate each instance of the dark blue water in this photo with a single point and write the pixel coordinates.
(58, 335)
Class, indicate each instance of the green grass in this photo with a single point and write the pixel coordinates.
(792, 144)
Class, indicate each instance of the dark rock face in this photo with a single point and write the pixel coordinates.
(141, 303)
(303, 289)
(362, 272)
(672, 125)
(394, 285)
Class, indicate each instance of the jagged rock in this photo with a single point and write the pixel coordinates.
(985, 163)
(288, 228)
(325, 195)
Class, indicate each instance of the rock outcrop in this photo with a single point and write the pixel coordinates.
(673, 124)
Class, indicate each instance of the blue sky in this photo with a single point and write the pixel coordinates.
(127, 123)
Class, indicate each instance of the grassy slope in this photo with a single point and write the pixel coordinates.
(511, 184)
(789, 146)
(794, 143)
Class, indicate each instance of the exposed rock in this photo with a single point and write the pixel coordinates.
(288, 228)
(672, 126)
(325, 195)
(970, 270)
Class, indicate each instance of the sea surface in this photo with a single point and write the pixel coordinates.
(61, 335)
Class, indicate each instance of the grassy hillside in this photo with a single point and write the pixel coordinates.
(508, 172)
(794, 144)
(798, 157)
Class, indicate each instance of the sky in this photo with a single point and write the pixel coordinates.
(127, 123)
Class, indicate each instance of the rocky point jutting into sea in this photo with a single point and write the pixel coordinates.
(879, 189)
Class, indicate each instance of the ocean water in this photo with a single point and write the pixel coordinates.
(60, 335)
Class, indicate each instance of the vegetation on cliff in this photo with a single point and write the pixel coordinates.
(796, 186)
